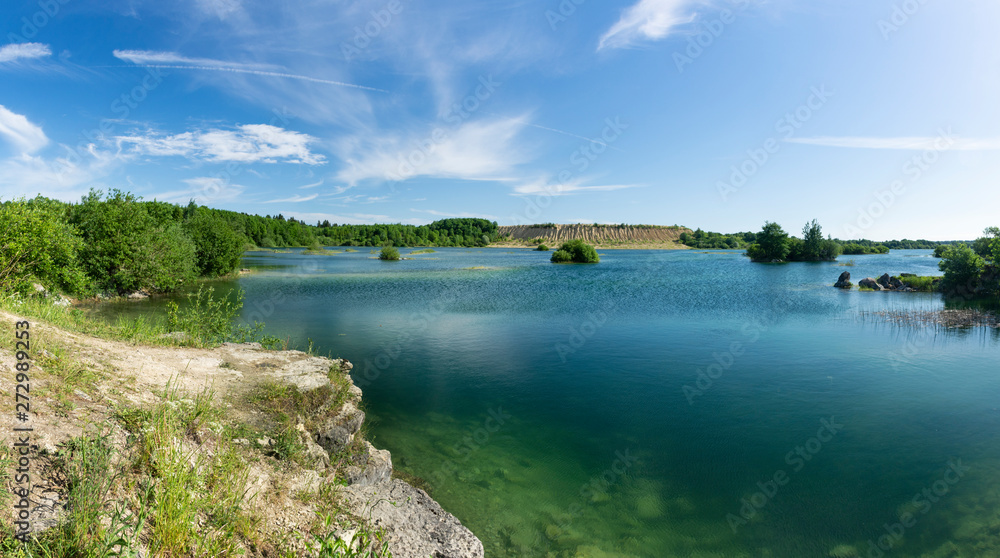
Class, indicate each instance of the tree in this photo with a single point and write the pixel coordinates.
(771, 244)
(812, 241)
(126, 250)
(217, 246)
(962, 268)
(576, 251)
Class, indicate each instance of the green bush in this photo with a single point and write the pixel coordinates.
(389, 253)
(126, 250)
(576, 251)
(35, 242)
(962, 268)
(217, 246)
(206, 319)
(542, 248)
(561, 256)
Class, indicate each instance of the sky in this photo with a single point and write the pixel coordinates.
(878, 118)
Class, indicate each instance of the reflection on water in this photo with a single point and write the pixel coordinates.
(661, 403)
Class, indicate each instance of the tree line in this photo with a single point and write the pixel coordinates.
(115, 243)
(742, 240)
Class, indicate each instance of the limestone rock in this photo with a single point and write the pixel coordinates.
(375, 468)
(315, 455)
(338, 431)
(416, 525)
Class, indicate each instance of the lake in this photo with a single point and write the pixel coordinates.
(660, 403)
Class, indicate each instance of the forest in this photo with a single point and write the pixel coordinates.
(114, 243)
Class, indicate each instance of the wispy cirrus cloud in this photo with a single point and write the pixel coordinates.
(295, 199)
(203, 190)
(543, 186)
(250, 143)
(648, 20)
(16, 52)
(477, 150)
(915, 143)
(20, 132)
(172, 60)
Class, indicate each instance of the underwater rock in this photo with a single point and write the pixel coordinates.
(843, 551)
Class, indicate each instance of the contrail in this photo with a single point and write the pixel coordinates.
(598, 142)
(257, 73)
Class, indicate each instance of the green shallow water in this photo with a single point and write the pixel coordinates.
(648, 405)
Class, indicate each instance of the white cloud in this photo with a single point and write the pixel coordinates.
(943, 142)
(16, 51)
(66, 177)
(16, 129)
(542, 186)
(295, 199)
(220, 8)
(313, 185)
(203, 190)
(481, 150)
(150, 57)
(647, 20)
(250, 143)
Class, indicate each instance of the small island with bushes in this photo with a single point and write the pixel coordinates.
(575, 251)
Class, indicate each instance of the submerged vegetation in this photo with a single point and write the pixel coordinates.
(575, 251)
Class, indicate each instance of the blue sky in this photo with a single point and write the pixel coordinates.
(879, 118)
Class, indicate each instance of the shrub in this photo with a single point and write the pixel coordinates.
(962, 268)
(206, 319)
(218, 247)
(126, 250)
(542, 248)
(561, 256)
(389, 253)
(576, 251)
(35, 242)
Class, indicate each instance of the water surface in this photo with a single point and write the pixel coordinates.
(660, 403)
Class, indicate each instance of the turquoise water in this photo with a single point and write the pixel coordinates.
(661, 403)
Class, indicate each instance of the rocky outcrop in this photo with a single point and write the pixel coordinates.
(869, 283)
(417, 525)
(884, 283)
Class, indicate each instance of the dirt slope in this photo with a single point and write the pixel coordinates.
(603, 236)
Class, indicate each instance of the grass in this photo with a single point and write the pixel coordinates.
(423, 251)
(171, 482)
(848, 263)
(922, 284)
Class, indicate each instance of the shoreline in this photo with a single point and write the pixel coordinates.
(336, 468)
